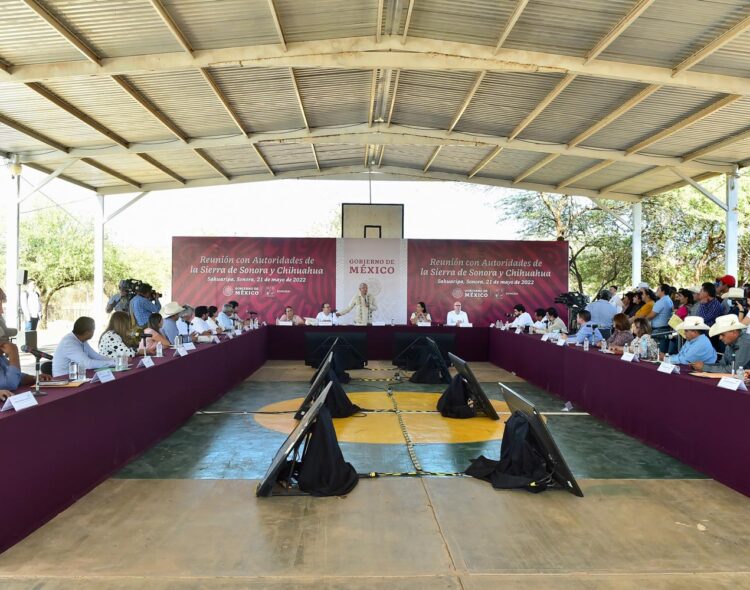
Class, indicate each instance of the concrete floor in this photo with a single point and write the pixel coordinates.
(184, 516)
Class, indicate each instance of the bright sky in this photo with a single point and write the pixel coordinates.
(294, 208)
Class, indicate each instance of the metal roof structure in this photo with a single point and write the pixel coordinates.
(612, 99)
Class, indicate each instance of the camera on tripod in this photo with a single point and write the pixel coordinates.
(573, 300)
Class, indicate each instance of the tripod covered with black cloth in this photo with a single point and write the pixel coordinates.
(522, 463)
(337, 402)
(454, 403)
(322, 471)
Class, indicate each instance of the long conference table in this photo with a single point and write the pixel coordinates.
(53, 454)
(688, 417)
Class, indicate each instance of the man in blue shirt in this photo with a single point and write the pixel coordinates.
(697, 346)
(170, 312)
(601, 310)
(144, 304)
(586, 331)
(710, 307)
(660, 315)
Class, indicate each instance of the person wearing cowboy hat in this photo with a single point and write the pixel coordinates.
(170, 312)
(697, 347)
(732, 333)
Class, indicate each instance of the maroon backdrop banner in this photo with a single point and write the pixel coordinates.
(487, 277)
(262, 274)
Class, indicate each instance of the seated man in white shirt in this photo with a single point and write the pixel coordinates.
(75, 347)
(200, 321)
(522, 318)
(540, 321)
(211, 320)
(456, 317)
(555, 323)
(326, 316)
(290, 316)
(224, 319)
(186, 325)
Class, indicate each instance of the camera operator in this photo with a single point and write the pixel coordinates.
(738, 303)
(119, 301)
(144, 304)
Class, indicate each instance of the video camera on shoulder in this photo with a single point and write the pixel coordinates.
(573, 300)
(134, 286)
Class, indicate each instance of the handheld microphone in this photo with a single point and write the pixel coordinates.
(37, 353)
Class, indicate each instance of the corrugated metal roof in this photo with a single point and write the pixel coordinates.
(334, 97)
(27, 107)
(560, 169)
(662, 109)
(26, 39)
(187, 100)
(730, 120)
(326, 19)
(223, 23)
(508, 164)
(430, 99)
(337, 98)
(108, 27)
(502, 101)
(617, 172)
(110, 105)
(584, 102)
(263, 98)
(671, 30)
(407, 156)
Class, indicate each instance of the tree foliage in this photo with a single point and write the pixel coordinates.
(58, 252)
(683, 235)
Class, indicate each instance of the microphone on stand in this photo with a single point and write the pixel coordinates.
(37, 353)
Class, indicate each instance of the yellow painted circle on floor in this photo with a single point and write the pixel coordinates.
(384, 428)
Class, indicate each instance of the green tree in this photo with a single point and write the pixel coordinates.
(599, 245)
(58, 252)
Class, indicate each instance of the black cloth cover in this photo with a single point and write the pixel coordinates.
(337, 402)
(428, 370)
(454, 403)
(521, 460)
(324, 471)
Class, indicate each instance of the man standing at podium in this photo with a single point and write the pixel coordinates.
(364, 304)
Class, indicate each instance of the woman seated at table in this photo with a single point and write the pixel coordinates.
(155, 335)
(621, 334)
(646, 347)
(649, 298)
(420, 314)
(290, 316)
(115, 340)
(685, 302)
(628, 304)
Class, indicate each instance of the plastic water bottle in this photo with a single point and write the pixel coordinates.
(159, 350)
(644, 348)
(393, 322)
(740, 374)
(73, 371)
(604, 345)
(178, 340)
(586, 345)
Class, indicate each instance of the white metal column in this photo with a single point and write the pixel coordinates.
(11, 193)
(99, 258)
(732, 227)
(637, 243)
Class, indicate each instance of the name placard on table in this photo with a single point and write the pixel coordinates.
(732, 383)
(19, 402)
(103, 376)
(629, 357)
(424, 324)
(188, 346)
(146, 361)
(668, 368)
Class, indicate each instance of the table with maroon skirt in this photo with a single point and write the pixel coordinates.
(288, 342)
(688, 417)
(53, 454)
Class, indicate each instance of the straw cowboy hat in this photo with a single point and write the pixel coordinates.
(171, 308)
(726, 323)
(692, 322)
(734, 293)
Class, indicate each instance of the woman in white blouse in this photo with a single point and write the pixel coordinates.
(114, 341)
(420, 314)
